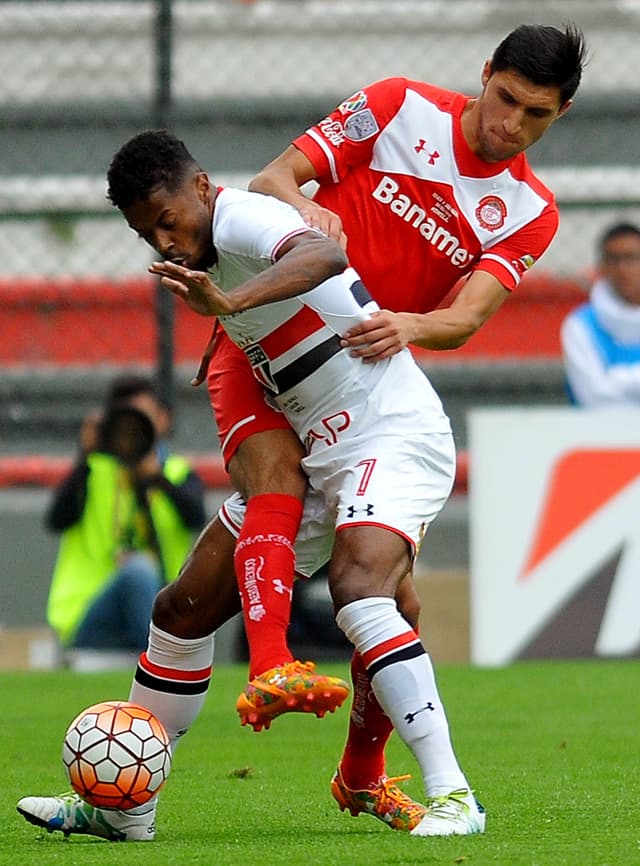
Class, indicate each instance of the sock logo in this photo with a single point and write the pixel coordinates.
(361, 692)
(280, 588)
(411, 716)
(253, 574)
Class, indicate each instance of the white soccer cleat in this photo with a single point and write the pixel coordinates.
(454, 814)
(70, 814)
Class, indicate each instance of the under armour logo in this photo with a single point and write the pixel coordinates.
(411, 716)
(420, 147)
(279, 587)
(352, 510)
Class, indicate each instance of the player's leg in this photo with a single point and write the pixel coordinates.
(366, 562)
(363, 759)
(171, 679)
(266, 469)
(263, 457)
(404, 474)
(173, 675)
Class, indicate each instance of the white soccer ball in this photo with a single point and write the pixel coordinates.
(117, 755)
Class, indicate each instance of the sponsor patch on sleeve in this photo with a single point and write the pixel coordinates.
(354, 103)
(332, 130)
(361, 125)
(523, 263)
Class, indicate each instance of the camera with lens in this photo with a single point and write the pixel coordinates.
(126, 433)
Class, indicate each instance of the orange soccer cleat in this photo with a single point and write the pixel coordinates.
(382, 799)
(289, 688)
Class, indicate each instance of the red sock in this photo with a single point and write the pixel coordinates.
(369, 730)
(265, 562)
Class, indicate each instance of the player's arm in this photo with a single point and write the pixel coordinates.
(283, 177)
(302, 263)
(387, 333)
(496, 274)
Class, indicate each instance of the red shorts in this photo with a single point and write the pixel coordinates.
(240, 404)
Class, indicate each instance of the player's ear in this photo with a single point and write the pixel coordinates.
(487, 71)
(564, 108)
(203, 186)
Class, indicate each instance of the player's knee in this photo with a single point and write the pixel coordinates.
(191, 607)
(165, 611)
(173, 614)
(351, 579)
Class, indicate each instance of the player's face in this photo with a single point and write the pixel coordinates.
(510, 115)
(621, 266)
(177, 225)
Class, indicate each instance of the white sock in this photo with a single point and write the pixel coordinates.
(403, 681)
(172, 679)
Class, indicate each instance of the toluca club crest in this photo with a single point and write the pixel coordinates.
(491, 213)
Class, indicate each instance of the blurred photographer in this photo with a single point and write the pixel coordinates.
(127, 512)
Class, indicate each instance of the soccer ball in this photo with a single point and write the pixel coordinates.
(117, 755)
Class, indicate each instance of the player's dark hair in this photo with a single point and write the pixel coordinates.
(618, 230)
(148, 161)
(544, 55)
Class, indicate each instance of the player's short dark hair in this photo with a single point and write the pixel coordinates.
(150, 160)
(617, 230)
(545, 55)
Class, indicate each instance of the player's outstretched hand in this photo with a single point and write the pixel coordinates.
(195, 288)
(326, 220)
(383, 335)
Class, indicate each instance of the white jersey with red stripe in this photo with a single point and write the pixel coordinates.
(420, 210)
(293, 345)
(379, 445)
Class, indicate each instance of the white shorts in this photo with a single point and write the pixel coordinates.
(393, 466)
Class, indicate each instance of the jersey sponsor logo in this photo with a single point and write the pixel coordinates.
(360, 126)
(354, 103)
(328, 431)
(421, 147)
(332, 130)
(491, 212)
(387, 192)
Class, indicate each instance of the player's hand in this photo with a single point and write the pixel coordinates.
(383, 335)
(195, 288)
(326, 220)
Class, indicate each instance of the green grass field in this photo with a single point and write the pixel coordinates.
(552, 749)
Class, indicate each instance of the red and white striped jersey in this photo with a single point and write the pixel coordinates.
(293, 345)
(420, 210)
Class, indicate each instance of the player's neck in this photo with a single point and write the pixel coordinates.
(470, 124)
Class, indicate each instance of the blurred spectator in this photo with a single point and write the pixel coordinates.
(601, 339)
(127, 512)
